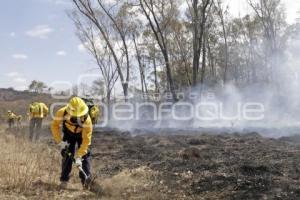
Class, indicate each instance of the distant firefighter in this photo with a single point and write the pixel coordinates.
(94, 110)
(11, 119)
(38, 111)
(94, 114)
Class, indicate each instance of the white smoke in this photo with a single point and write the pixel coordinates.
(281, 103)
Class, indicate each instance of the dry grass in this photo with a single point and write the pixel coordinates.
(31, 171)
(130, 184)
(23, 165)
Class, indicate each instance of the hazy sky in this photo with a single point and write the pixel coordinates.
(38, 41)
(241, 6)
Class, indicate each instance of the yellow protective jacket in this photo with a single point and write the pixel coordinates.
(38, 110)
(86, 130)
(11, 116)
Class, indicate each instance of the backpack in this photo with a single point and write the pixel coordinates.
(90, 103)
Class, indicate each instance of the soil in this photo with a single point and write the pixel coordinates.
(202, 166)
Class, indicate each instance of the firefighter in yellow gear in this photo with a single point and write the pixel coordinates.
(11, 117)
(94, 110)
(74, 122)
(37, 112)
(94, 114)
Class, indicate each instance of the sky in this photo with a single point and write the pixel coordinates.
(239, 7)
(38, 42)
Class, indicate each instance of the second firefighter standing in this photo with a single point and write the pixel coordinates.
(37, 112)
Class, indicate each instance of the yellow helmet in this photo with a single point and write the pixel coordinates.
(77, 107)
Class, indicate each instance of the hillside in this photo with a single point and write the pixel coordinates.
(18, 101)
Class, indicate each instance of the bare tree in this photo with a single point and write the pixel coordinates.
(149, 10)
(222, 19)
(199, 11)
(100, 53)
(95, 16)
(141, 67)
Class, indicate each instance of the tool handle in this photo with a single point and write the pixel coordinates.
(83, 172)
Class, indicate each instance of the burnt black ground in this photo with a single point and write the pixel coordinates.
(203, 166)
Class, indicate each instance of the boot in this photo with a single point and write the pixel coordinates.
(63, 185)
